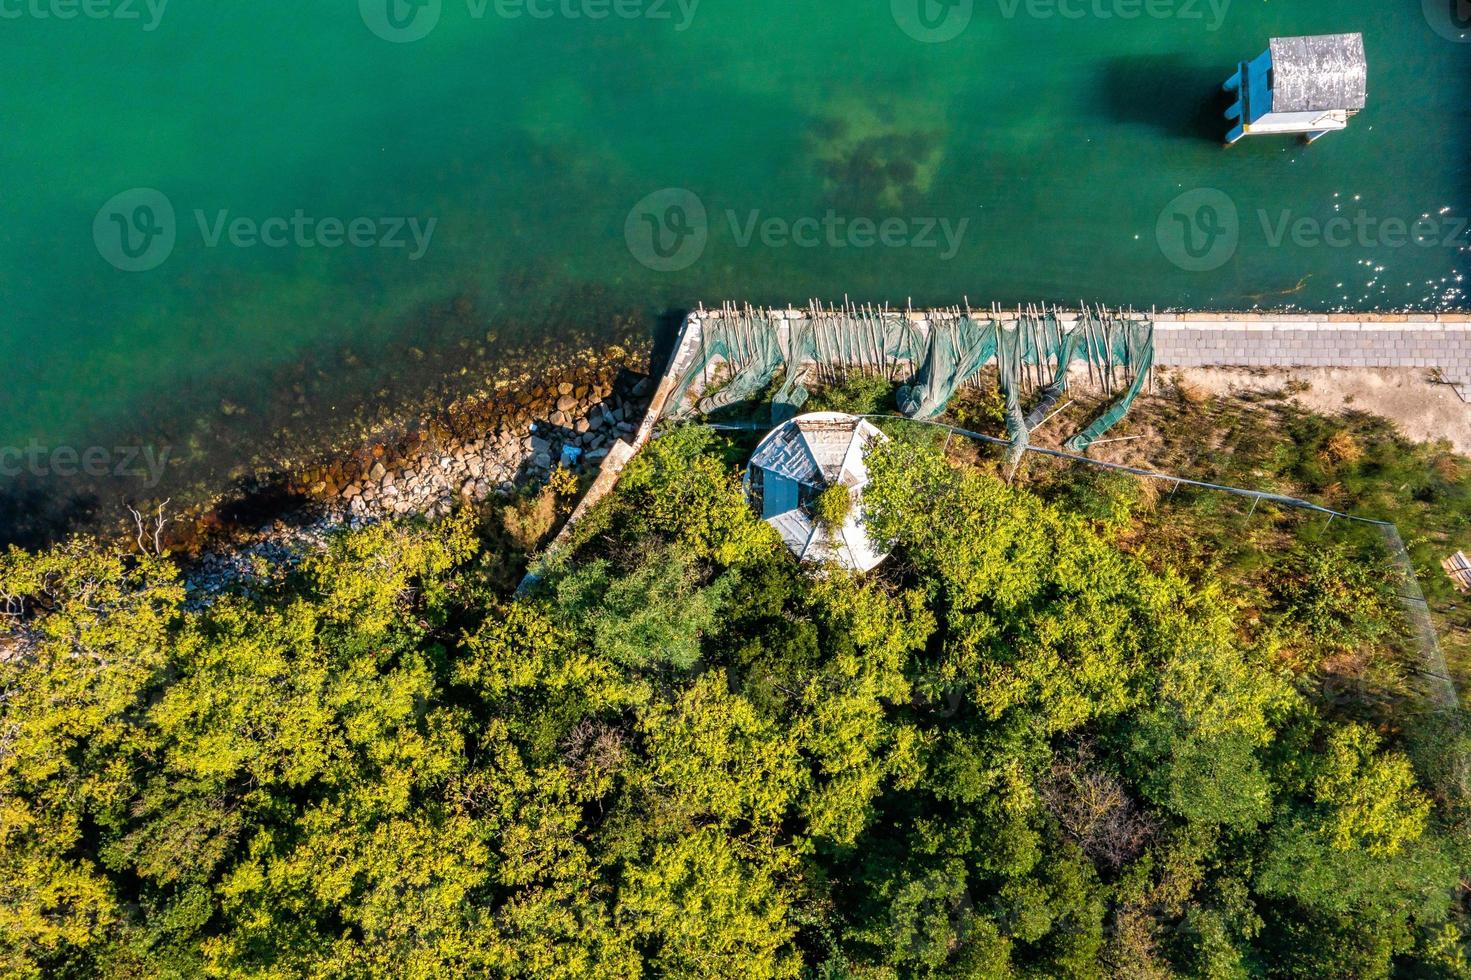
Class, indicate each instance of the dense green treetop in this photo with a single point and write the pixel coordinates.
(1014, 751)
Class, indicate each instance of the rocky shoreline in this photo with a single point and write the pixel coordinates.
(476, 451)
(488, 447)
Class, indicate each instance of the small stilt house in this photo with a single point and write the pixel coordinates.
(1307, 85)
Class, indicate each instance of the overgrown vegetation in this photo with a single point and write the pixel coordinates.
(1352, 461)
(832, 508)
(1020, 749)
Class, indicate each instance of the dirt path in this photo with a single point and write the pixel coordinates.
(1424, 410)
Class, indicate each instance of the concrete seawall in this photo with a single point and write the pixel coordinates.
(1431, 341)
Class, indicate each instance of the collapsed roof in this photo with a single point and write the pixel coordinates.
(1320, 73)
(798, 460)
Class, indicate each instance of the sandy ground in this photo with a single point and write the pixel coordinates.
(1423, 409)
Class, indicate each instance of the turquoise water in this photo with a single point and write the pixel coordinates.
(1049, 146)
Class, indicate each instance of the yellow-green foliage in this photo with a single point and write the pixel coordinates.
(1015, 751)
(832, 507)
(712, 757)
(1372, 798)
(674, 488)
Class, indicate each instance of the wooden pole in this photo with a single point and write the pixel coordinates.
(1095, 347)
(1152, 311)
(1082, 324)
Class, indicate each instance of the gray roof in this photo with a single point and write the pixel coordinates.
(819, 449)
(1317, 74)
(784, 451)
(828, 440)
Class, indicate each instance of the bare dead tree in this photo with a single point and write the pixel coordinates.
(1096, 811)
(12, 607)
(150, 542)
(594, 751)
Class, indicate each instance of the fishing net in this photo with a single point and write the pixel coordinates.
(1034, 353)
(755, 345)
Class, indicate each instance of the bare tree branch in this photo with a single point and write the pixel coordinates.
(150, 542)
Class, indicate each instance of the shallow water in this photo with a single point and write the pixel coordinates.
(1033, 156)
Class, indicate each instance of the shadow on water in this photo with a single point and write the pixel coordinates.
(666, 333)
(1170, 93)
(33, 513)
(318, 406)
(257, 501)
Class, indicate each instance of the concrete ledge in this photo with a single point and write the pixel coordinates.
(1226, 338)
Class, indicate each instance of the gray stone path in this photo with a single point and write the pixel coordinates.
(1262, 340)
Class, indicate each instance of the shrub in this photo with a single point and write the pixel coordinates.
(1332, 598)
(864, 394)
(677, 488)
(832, 507)
(1342, 447)
(528, 521)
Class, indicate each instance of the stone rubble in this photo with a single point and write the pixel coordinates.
(490, 449)
(522, 443)
(270, 551)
